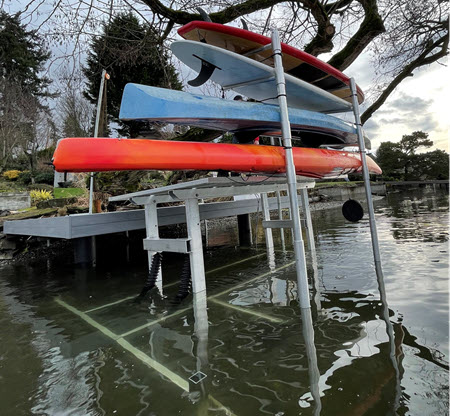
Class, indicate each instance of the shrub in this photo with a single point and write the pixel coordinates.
(24, 177)
(40, 186)
(11, 175)
(39, 177)
(44, 177)
(40, 195)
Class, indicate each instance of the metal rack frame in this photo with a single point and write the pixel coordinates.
(191, 193)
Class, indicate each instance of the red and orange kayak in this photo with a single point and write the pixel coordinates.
(107, 154)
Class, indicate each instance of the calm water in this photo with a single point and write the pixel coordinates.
(63, 352)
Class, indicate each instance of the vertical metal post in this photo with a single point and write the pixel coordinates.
(280, 211)
(196, 247)
(308, 221)
(266, 217)
(312, 247)
(268, 232)
(299, 249)
(152, 231)
(365, 171)
(97, 122)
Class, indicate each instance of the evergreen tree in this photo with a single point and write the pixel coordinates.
(400, 160)
(431, 165)
(23, 117)
(23, 55)
(130, 52)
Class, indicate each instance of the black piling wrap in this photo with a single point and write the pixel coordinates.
(185, 280)
(152, 275)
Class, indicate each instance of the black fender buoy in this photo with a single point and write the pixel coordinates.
(352, 210)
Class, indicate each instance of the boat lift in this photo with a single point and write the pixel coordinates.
(191, 193)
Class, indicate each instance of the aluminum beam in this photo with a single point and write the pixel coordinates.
(278, 224)
(85, 225)
(174, 245)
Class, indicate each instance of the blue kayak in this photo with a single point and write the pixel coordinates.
(145, 103)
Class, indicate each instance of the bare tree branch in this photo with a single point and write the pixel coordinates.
(370, 28)
(422, 60)
(225, 16)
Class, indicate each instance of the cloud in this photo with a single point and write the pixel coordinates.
(409, 104)
(371, 127)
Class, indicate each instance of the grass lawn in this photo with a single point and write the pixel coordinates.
(68, 192)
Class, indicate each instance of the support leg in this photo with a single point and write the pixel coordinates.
(280, 212)
(245, 230)
(196, 246)
(201, 349)
(85, 252)
(311, 245)
(308, 222)
(268, 231)
(280, 217)
(151, 226)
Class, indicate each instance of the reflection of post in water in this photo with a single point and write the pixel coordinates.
(391, 337)
(315, 284)
(198, 380)
(313, 368)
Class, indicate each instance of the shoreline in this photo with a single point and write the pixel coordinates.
(31, 248)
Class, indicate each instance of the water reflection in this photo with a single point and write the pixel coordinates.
(260, 354)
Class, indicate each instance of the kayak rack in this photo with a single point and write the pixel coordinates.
(191, 193)
(302, 279)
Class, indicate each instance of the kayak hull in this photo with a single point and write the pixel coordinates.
(146, 103)
(110, 154)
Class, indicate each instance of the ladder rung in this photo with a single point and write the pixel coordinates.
(251, 82)
(256, 50)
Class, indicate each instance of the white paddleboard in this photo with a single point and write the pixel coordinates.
(254, 79)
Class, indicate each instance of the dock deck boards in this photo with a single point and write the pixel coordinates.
(87, 225)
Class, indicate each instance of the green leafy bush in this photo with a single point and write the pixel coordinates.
(24, 177)
(44, 177)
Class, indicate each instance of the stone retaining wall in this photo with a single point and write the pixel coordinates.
(13, 201)
(344, 193)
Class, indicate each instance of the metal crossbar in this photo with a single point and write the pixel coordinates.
(148, 361)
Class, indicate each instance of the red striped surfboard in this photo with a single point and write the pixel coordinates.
(296, 62)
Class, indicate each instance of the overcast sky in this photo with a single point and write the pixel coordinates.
(418, 103)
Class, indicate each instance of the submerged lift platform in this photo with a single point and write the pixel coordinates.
(191, 193)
